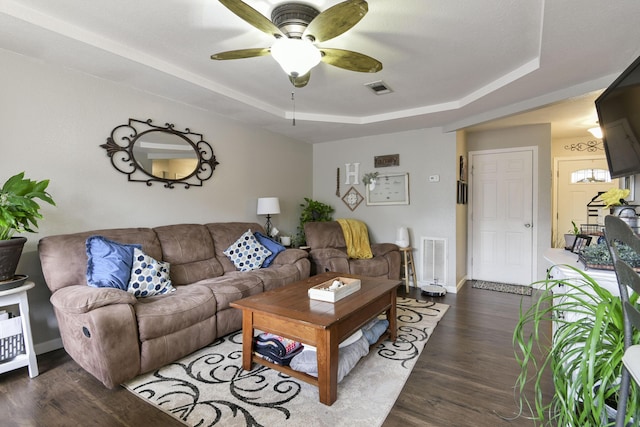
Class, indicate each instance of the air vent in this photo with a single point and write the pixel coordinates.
(379, 87)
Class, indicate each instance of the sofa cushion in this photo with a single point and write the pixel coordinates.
(247, 253)
(276, 275)
(149, 276)
(270, 244)
(324, 234)
(233, 286)
(374, 267)
(162, 315)
(189, 248)
(108, 263)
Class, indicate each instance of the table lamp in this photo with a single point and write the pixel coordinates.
(268, 206)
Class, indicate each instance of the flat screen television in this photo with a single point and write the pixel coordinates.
(618, 110)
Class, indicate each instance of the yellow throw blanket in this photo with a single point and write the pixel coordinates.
(356, 237)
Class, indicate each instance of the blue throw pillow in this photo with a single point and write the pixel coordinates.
(109, 263)
(270, 244)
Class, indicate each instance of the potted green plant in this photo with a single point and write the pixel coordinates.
(370, 179)
(312, 210)
(570, 238)
(583, 356)
(19, 213)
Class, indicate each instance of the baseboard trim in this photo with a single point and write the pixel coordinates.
(47, 346)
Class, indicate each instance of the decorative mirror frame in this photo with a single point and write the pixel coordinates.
(120, 146)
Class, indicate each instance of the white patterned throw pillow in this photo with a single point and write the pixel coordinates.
(247, 253)
(149, 276)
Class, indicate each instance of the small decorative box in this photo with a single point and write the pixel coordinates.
(335, 289)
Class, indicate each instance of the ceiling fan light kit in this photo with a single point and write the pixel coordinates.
(297, 28)
(296, 56)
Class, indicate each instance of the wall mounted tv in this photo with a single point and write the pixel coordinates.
(618, 110)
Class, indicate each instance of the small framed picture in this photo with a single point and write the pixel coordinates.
(581, 242)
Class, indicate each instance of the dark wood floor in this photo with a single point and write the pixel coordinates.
(464, 377)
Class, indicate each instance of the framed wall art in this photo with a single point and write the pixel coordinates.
(352, 198)
(390, 189)
(581, 242)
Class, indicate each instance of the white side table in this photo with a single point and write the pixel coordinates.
(19, 296)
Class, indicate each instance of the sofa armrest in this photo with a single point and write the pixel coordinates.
(381, 249)
(290, 256)
(80, 299)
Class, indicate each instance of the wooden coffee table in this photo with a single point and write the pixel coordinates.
(289, 312)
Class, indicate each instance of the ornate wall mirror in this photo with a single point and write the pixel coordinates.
(149, 153)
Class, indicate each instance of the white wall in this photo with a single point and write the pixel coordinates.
(52, 123)
(432, 208)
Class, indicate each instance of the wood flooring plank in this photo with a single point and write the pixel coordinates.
(464, 377)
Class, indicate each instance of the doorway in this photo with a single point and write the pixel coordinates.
(577, 180)
(502, 217)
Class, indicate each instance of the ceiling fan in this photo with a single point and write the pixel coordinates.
(297, 28)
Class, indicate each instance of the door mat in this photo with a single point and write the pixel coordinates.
(502, 287)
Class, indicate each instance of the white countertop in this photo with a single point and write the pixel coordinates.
(561, 257)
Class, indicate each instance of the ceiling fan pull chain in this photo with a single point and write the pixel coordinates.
(293, 100)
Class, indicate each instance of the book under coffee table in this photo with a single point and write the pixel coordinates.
(289, 312)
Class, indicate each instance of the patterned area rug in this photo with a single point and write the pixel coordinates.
(209, 387)
(502, 287)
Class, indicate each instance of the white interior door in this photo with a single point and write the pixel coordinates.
(572, 197)
(502, 216)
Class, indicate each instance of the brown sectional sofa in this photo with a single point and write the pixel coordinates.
(116, 336)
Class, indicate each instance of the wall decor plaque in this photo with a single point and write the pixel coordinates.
(386, 160)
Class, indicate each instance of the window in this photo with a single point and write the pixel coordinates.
(590, 176)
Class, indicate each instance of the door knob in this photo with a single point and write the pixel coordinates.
(528, 225)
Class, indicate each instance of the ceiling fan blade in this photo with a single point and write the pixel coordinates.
(252, 16)
(242, 53)
(300, 81)
(350, 60)
(336, 20)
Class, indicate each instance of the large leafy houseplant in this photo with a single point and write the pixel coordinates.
(584, 357)
(19, 211)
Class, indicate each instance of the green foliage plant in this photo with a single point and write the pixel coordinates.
(599, 255)
(583, 357)
(367, 178)
(575, 230)
(19, 211)
(312, 210)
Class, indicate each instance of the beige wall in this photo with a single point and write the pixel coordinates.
(432, 208)
(462, 211)
(53, 121)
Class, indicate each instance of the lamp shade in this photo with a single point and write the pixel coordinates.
(268, 206)
(295, 56)
(402, 238)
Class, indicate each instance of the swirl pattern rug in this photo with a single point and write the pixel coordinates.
(210, 388)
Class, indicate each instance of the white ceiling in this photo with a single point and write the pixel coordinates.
(451, 64)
